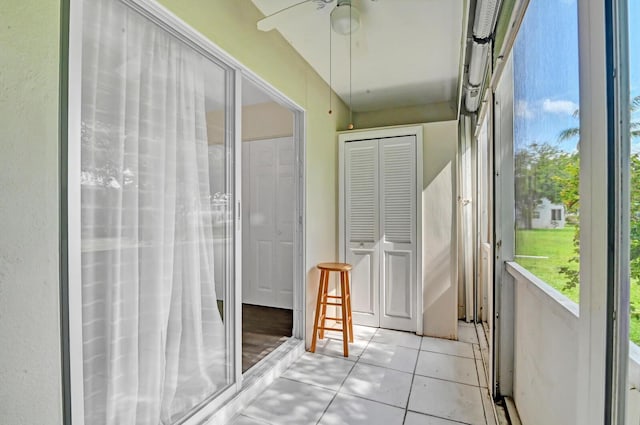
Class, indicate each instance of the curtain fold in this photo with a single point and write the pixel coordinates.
(153, 337)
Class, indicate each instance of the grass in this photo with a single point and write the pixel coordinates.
(555, 247)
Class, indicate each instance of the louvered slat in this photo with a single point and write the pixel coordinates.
(397, 186)
(362, 194)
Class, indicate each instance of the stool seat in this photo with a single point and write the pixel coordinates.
(343, 300)
(335, 267)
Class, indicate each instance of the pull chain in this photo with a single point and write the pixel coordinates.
(330, 70)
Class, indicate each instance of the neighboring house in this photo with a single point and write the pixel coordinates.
(548, 215)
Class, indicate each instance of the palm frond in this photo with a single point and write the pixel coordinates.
(569, 133)
(635, 104)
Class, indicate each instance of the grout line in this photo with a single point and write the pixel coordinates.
(488, 392)
(438, 417)
(345, 378)
(447, 354)
(372, 401)
(413, 377)
(448, 380)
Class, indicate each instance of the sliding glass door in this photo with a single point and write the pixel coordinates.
(157, 221)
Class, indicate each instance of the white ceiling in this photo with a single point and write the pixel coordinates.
(406, 52)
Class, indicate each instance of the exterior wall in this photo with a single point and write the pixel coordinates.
(30, 363)
(544, 221)
(545, 352)
(439, 229)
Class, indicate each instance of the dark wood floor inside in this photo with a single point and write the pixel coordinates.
(263, 330)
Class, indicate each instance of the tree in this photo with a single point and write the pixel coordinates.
(570, 196)
(541, 171)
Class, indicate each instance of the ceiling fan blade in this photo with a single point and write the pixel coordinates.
(270, 22)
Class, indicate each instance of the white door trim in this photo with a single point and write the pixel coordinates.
(383, 133)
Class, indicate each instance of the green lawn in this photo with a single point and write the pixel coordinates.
(557, 246)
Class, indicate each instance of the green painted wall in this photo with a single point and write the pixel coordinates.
(231, 24)
(435, 112)
(30, 372)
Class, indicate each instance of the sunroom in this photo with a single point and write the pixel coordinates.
(174, 171)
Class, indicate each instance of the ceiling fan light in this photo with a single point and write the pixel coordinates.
(345, 19)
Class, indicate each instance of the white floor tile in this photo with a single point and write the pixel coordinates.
(289, 402)
(364, 333)
(489, 407)
(482, 376)
(390, 356)
(446, 399)
(331, 344)
(245, 420)
(378, 384)
(420, 419)
(476, 351)
(350, 410)
(447, 346)
(467, 334)
(317, 369)
(403, 339)
(451, 368)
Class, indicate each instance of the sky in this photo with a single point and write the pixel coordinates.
(546, 77)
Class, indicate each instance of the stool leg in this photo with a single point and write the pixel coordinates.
(325, 291)
(349, 311)
(345, 329)
(318, 307)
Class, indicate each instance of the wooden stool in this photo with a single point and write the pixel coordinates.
(345, 303)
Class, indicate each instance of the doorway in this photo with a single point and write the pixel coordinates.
(268, 224)
(380, 177)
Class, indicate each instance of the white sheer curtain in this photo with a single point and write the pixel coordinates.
(153, 337)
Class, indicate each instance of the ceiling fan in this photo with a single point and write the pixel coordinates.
(345, 17)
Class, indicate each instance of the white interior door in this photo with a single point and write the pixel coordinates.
(398, 285)
(380, 230)
(268, 212)
(362, 229)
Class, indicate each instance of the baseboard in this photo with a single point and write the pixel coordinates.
(512, 411)
(257, 379)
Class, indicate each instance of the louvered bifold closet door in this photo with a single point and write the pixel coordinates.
(363, 229)
(398, 286)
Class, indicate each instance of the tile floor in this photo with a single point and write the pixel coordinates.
(390, 378)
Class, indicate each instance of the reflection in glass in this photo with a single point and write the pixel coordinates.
(633, 378)
(634, 61)
(155, 221)
(546, 141)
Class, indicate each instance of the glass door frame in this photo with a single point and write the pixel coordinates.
(70, 202)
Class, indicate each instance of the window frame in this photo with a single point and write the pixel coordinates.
(602, 387)
(70, 203)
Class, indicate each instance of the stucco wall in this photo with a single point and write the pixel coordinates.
(545, 353)
(30, 371)
(439, 229)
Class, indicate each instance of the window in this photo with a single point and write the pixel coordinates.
(546, 135)
(156, 221)
(634, 217)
